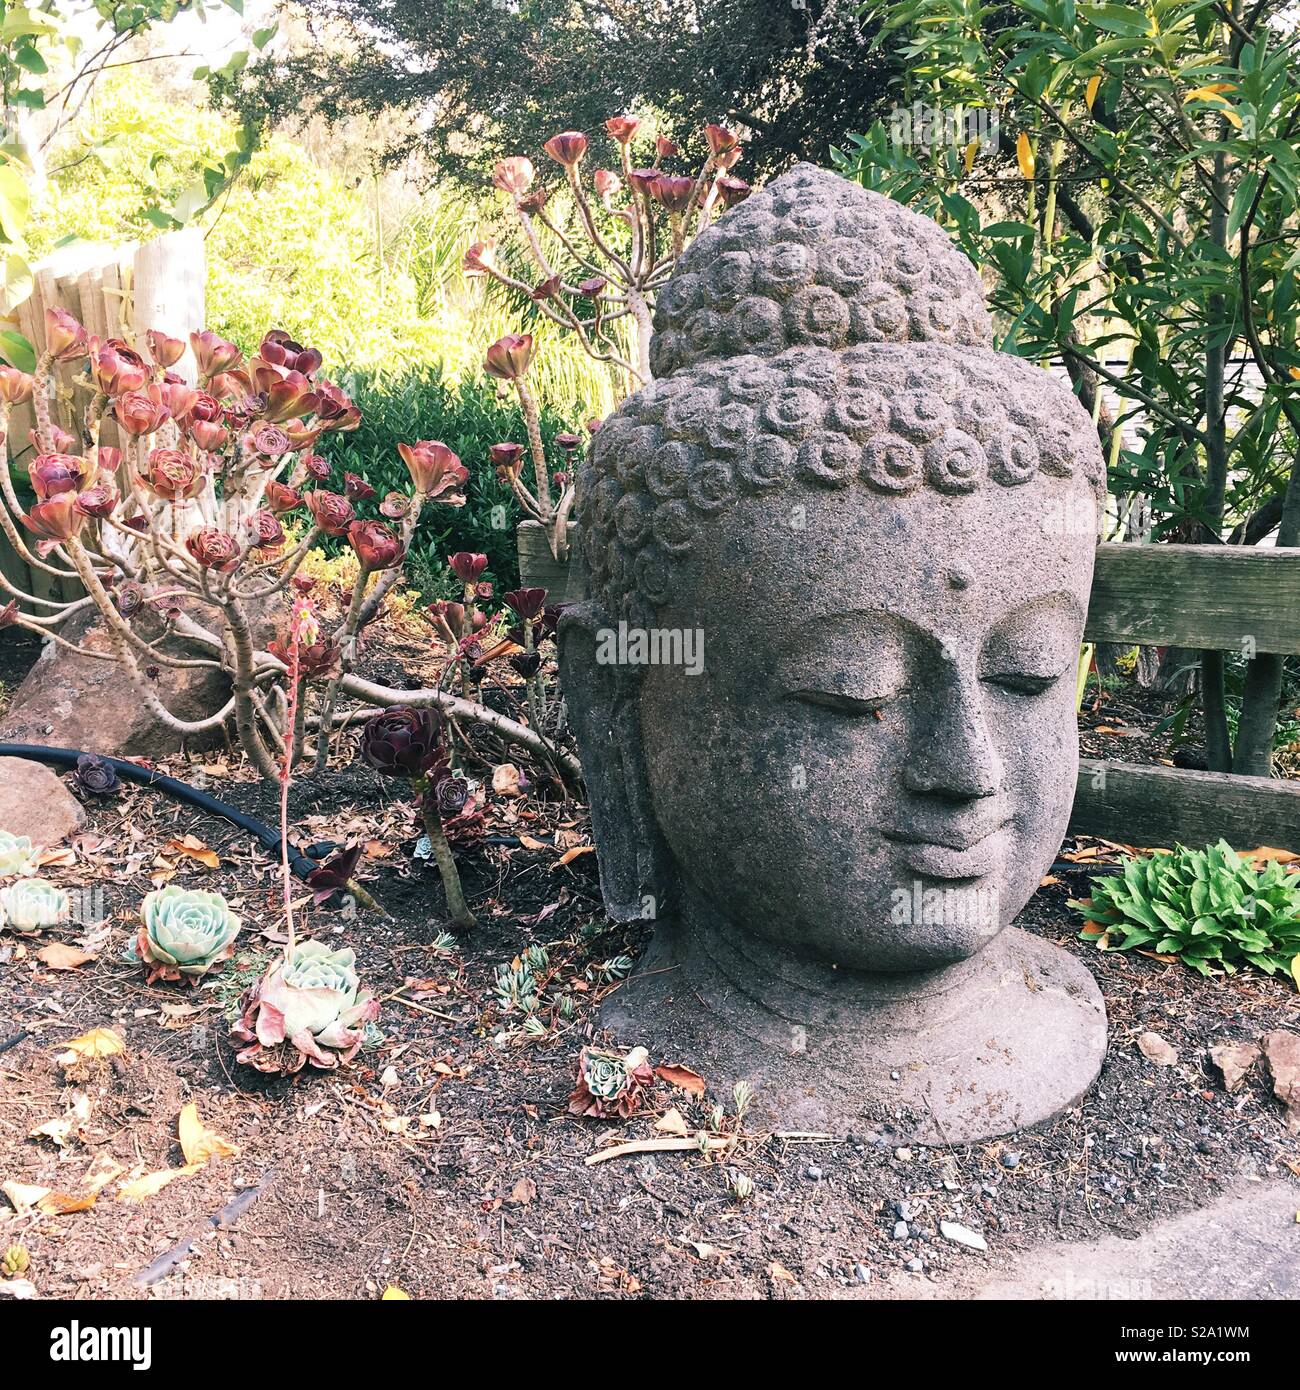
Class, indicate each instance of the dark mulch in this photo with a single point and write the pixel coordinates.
(464, 1176)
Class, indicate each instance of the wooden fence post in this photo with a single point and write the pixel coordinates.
(115, 292)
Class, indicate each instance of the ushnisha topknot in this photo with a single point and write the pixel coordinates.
(814, 260)
(735, 411)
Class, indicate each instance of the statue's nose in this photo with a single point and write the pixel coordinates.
(952, 754)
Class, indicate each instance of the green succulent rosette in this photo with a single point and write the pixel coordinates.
(17, 854)
(183, 933)
(32, 904)
(308, 1008)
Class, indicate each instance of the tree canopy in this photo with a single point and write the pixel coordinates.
(476, 80)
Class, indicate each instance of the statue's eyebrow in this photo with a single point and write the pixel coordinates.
(1057, 599)
(812, 634)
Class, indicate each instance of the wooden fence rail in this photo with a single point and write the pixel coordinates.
(1197, 596)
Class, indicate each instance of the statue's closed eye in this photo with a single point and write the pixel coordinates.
(862, 684)
(1022, 682)
(1030, 649)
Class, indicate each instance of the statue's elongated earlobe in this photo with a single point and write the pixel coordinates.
(635, 867)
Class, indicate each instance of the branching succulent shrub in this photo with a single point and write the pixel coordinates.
(603, 253)
(1209, 907)
(182, 526)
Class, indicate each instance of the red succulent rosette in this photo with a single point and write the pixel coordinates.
(173, 475)
(213, 549)
(333, 513)
(377, 546)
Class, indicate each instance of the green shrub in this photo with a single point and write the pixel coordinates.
(420, 404)
(293, 246)
(1209, 907)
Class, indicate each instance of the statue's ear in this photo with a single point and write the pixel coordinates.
(601, 696)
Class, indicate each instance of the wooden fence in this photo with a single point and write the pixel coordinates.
(1220, 598)
(116, 292)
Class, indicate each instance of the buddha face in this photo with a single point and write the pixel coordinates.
(876, 763)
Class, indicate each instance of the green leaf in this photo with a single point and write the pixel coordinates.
(15, 203)
(29, 58)
(17, 351)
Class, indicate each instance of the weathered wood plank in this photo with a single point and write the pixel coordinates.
(1197, 596)
(538, 568)
(1163, 806)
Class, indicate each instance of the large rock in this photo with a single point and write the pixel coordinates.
(34, 802)
(82, 702)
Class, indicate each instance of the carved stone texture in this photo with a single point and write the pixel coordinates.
(884, 532)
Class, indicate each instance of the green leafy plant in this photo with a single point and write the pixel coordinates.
(1209, 907)
(1130, 202)
(421, 402)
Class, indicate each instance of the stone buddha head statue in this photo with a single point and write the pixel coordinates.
(838, 556)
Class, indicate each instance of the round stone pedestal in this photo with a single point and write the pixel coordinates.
(996, 1043)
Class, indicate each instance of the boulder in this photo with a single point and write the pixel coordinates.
(34, 802)
(83, 702)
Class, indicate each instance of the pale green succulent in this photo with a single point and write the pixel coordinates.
(33, 903)
(184, 932)
(16, 854)
(310, 1008)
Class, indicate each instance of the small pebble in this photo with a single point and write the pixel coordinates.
(1009, 1160)
(905, 1211)
(915, 1266)
(988, 1189)
(814, 1172)
(904, 1155)
(900, 1230)
(862, 1274)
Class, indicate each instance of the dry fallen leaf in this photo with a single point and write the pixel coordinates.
(522, 1192)
(677, 1075)
(529, 842)
(61, 957)
(61, 857)
(63, 1127)
(671, 1122)
(198, 1142)
(141, 1189)
(194, 848)
(25, 1197)
(99, 1042)
(570, 855)
(780, 1274)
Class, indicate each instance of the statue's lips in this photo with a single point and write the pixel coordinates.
(946, 854)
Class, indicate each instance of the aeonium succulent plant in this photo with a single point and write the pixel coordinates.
(406, 741)
(95, 776)
(31, 904)
(183, 933)
(308, 1008)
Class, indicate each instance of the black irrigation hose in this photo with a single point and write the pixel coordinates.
(182, 791)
